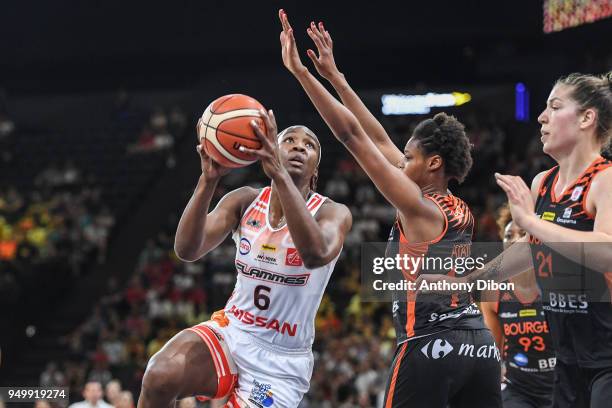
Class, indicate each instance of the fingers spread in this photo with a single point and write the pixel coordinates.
(253, 152)
(269, 122)
(317, 40)
(318, 32)
(258, 131)
(328, 39)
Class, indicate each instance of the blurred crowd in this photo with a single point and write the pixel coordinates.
(355, 341)
(159, 133)
(58, 224)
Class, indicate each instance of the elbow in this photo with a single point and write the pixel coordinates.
(185, 254)
(345, 136)
(315, 259)
(313, 262)
(348, 132)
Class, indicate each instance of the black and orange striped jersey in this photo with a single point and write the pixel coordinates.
(417, 315)
(528, 352)
(576, 299)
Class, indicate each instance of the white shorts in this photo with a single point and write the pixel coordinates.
(267, 376)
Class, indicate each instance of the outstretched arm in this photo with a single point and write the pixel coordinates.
(394, 184)
(326, 67)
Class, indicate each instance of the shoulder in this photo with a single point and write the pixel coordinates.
(332, 209)
(241, 195)
(448, 204)
(603, 178)
(600, 188)
(537, 181)
(244, 192)
(237, 201)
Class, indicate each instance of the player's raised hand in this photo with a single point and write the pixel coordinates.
(210, 168)
(291, 57)
(324, 62)
(519, 195)
(269, 153)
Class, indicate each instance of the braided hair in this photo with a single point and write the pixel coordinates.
(444, 135)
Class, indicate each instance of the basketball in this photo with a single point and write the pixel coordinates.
(225, 126)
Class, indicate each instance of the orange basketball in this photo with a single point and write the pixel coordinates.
(225, 126)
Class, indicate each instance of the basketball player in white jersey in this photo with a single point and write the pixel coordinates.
(257, 350)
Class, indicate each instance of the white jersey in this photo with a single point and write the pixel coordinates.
(276, 297)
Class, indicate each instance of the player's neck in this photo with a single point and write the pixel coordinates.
(435, 188)
(572, 165)
(275, 209)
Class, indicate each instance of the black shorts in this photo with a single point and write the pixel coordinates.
(455, 368)
(579, 387)
(515, 398)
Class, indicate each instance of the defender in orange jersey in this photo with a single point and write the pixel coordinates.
(567, 215)
(445, 355)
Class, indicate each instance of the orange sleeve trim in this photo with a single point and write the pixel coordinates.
(586, 192)
(437, 239)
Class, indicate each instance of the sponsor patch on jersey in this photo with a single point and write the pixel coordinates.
(520, 359)
(261, 394)
(528, 313)
(436, 349)
(567, 213)
(508, 315)
(548, 216)
(576, 193)
(485, 351)
(254, 223)
(245, 246)
(279, 326)
(273, 277)
(293, 257)
(268, 247)
(270, 260)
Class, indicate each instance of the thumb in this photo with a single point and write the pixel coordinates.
(313, 57)
(202, 151)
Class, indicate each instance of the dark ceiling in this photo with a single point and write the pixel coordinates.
(86, 45)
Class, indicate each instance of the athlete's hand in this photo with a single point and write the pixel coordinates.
(269, 153)
(291, 57)
(324, 63)
(520, 199)
(211, 170)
